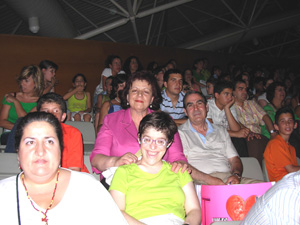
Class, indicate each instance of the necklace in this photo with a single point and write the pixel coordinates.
(44, 219)
(117, 100)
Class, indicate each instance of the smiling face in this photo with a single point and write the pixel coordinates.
(195, 109)
(140, 95)
(286, 125)
(39, 151)
(79, 81)
(152, 152)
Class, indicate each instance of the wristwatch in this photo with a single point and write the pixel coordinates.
(273, 131)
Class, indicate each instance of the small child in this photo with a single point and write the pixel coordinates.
(79, 101)
(49, 69)
(280, 156)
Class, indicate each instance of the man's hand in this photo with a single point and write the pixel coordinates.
(243, 133)
(233, 180)
(215, 181)
(180, 164)
(252, 135)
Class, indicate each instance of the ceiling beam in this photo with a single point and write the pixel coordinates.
(121, 22)
(233, 13)
(119, 7)
(132, 19)
(274, 46)
(188, 20)
(150, 24)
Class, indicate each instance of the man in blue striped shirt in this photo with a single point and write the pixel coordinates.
(279, 205)
(172, 96)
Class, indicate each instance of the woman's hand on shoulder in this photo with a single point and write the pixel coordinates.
(10, 97)
(126, 159)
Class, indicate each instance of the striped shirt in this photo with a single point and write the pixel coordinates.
(167, 106)
(279, 205)
(250, 115)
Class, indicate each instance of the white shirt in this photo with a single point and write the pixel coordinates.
(85, 201)
(218, 116)
(279, 205)
(106, 73)
(209, 156)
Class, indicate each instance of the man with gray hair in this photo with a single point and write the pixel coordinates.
(208, 147)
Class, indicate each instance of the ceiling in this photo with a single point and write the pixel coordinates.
(268, 28)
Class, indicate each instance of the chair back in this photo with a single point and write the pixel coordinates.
(252, 168)
(88, 133)
(265, 171)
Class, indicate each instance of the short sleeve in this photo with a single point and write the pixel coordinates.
(185, 178)
(119, 182)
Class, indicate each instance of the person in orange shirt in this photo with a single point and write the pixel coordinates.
(280, 156)
(72, 154)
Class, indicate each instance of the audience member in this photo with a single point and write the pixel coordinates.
(152, 66)
(216, 72)
(159, 75)
(102, 97)
(49, 69)
(148, 192)
(114, 104)
(222, 112)
(79, 100)
(251, 116)
(132, 64)
(208, 148)
(280, 156)
(262, 99)
(116, 141)
(45, 193)
(276, 96)
(172, 96)
(18, 104)
(72, 154)
(188, 78)
(279, 205)
(210, 84)
(113, 67)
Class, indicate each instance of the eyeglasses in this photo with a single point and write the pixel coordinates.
(158, 142)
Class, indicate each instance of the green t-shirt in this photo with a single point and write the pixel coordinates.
(150, 195)
(12, 114)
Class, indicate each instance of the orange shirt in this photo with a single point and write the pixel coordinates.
(72, 154)
(279, 154)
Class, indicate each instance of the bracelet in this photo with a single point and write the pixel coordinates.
(237, 175)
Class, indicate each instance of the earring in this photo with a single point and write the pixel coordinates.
(150, 106)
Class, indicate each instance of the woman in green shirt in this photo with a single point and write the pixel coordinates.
(148, 192)
(18, 104)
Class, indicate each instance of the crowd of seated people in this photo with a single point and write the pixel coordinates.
(238, 120)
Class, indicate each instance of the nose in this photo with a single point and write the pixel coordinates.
(40, 150)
